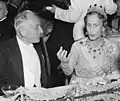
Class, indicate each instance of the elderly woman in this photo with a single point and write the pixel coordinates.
(92, 60)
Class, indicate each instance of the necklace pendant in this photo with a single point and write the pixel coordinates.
(94, 50)
(94, 57)
(89, 51)
(100, 53)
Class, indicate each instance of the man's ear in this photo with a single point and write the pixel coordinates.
(41, 30)
(22, 31)
(6, 12)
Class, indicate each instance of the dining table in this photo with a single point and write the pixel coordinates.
(66, 93)
(60, 93)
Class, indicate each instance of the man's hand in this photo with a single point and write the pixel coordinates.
(51, 8)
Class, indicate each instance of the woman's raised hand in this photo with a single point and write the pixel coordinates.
(62, 55)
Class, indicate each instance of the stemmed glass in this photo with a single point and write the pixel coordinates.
(9, 90)
(71, 93)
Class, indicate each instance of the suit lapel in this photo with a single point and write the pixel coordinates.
(42, 62)
(39, 52)
(16, 58)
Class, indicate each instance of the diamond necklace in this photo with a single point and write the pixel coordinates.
(95, 51)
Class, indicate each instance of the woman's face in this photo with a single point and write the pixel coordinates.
(94, 26)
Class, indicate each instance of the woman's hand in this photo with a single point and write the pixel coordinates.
(62, 55)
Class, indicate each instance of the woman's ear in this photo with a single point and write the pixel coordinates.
(103, 32)
(103, 29)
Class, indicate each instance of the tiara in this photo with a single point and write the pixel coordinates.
(97, 8)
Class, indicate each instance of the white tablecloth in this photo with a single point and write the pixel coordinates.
(4, 99)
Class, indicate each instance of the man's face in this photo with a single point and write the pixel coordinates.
(3, 10)
(32, 29)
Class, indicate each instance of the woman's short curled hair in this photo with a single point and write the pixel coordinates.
(100, 16)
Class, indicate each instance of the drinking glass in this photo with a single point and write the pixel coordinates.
(9, 90)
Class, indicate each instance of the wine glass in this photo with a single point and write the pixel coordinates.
(9, 90)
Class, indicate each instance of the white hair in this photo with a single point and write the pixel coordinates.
(21, 18)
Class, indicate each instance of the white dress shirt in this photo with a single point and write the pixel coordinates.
(78, 9)
(31, 64)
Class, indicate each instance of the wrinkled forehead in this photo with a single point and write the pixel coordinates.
(93, 18)
(32, 18)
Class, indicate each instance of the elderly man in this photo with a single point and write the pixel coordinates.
(21, 61)
(76, 12)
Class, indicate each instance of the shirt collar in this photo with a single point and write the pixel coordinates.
(21, 42)
(3, 19)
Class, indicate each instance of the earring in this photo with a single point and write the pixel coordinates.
(103, 33)
(86, 33)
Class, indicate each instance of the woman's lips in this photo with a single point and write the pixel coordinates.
(91, 35)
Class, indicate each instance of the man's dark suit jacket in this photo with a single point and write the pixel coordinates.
(7, 30)
(12, 11)
(11, 66)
